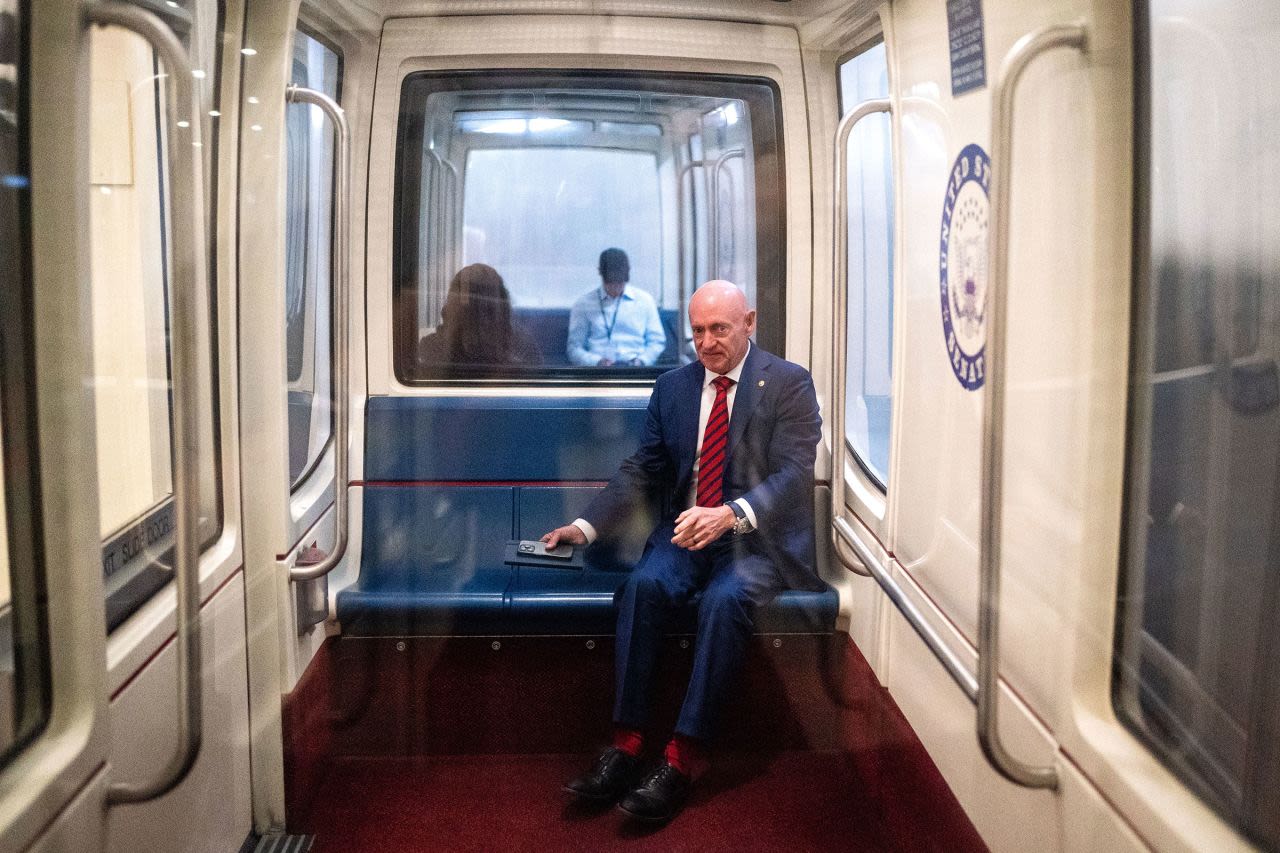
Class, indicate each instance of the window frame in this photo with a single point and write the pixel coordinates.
(26, 625)
(768, 136)
(313, 462)
(156, 521)
(1130, 619)
(842, 109)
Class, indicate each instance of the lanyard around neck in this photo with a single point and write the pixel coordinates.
(609, 323)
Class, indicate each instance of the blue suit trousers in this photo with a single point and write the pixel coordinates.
(731, 583)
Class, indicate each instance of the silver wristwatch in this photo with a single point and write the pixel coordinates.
(741, 524)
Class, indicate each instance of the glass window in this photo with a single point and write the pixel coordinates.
(869, 165)
(24, 663)
(308, 257)
(129, 172)
(549, 263)
(552, 225)
(1196, 672)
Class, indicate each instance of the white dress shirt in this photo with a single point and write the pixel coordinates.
(628, 327)
(704, 415)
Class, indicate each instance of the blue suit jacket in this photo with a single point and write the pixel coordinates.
(773, 435)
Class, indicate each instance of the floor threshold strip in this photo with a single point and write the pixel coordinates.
(285, 844)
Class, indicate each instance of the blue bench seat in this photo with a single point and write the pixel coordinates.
(578, 609)
(432, 564)
(451, 480)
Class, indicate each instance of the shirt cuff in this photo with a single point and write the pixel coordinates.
(586, 528)
(750, 513)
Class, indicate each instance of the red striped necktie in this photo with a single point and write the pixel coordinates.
(715, 441)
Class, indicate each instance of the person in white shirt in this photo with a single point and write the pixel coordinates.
(615, 324)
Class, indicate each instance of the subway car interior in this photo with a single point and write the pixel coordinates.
(318, 314)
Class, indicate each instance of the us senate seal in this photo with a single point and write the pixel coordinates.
(962, 265)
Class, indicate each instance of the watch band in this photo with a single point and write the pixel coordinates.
(740, 521)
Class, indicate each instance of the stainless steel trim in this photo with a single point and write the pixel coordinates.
(188, 260)
(341, 301)
(433, 238)
(686, 169)
(1026, 49)
(950, 661)
(713, 207)
(842, 534)
(449, 229)
(454, 233)
(840, 346)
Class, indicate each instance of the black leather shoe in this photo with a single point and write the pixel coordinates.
(660, 796)
(609, 778)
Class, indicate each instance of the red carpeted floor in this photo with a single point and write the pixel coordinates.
(395, 746)
(794, 801)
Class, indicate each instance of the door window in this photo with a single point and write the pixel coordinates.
(308, 257)
(540, 177)
(24, 659)
(1196, 672)
(869, 325)
(131, 271)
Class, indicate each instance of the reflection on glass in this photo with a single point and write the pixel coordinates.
(1199, 611)
(475, 325)
(537, 183)
(615, 323)
(130, 173)
(8, 680)
(6, 595)
(308, 256)
(869, 166)
(130, 302)
(587, 200)
(24, 653)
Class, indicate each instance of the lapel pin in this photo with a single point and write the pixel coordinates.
(761, 383)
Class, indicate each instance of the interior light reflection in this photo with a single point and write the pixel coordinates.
(516, 125)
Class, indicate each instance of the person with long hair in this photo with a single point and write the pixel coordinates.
(476, 326)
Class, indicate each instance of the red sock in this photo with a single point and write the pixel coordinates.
(682, 752)
(628, 740)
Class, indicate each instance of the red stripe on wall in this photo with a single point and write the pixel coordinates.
(566, 483)
(146, 663)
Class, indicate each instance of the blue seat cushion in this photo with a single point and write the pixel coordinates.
(547, 602)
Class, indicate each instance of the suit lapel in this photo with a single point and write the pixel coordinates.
(750, 387)
(690, 404)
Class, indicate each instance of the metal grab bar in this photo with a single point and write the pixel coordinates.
(455, 233)
(842, 534)
(686, 169)
(840, 346)
(449, 230)
(341, 298)
(186, 230)
(955, 667)
(432, 239)
(1026, 49)
(714, 206)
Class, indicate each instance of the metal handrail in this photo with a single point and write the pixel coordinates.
(454, 233)
(188, 259)
(714, 206)
(840, 275)
(1026, 49)
(433, 239)
(680, 211)
(341, 298)
(954, 666)
(449, 231)
(842, 533)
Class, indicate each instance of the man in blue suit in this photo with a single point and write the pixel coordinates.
(730, 441)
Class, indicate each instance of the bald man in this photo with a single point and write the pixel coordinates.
(730, 439)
